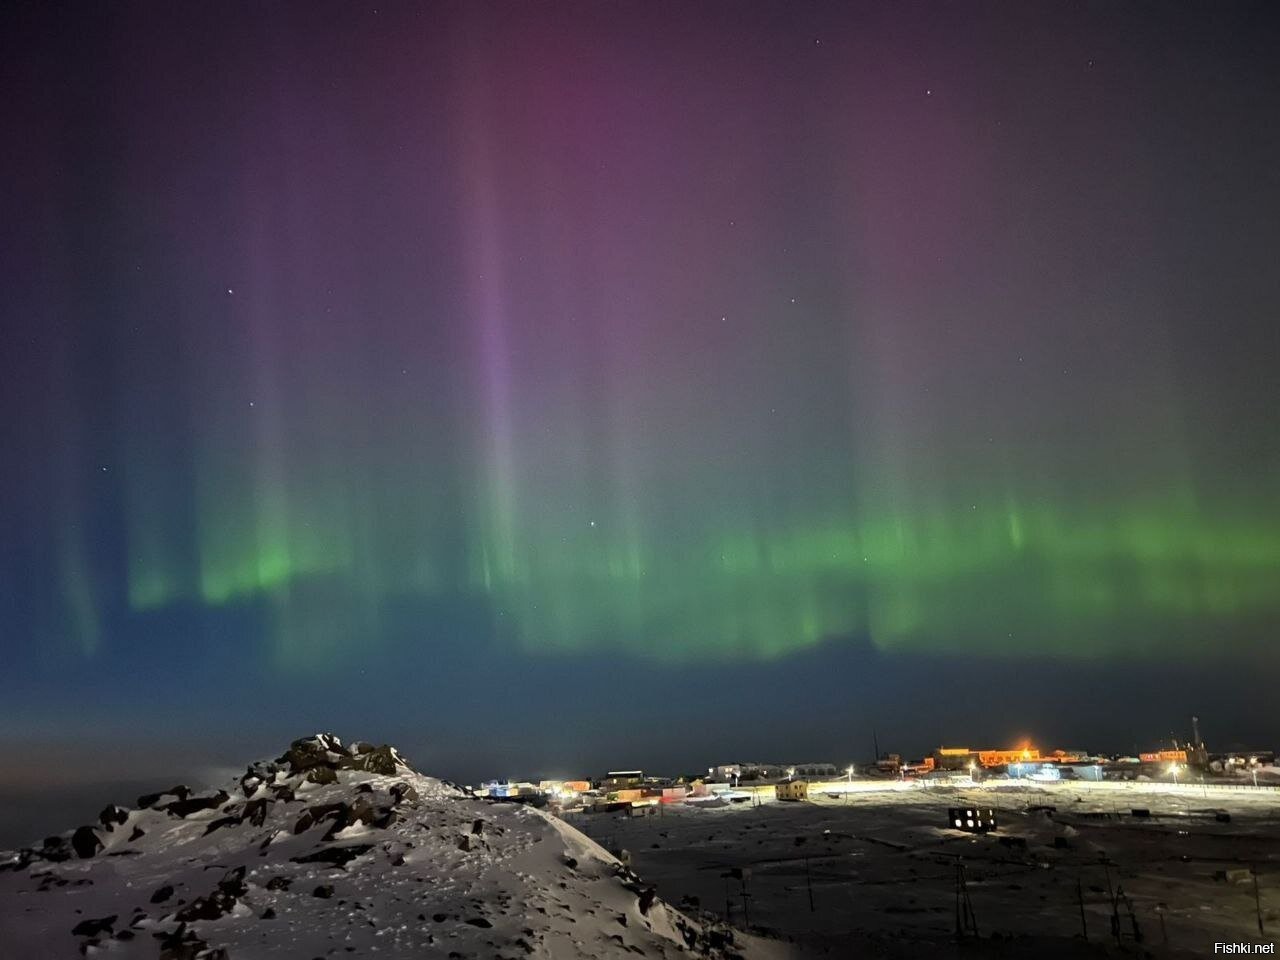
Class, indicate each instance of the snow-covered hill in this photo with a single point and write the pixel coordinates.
(334, 851)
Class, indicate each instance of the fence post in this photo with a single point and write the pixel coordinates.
(1257, 899)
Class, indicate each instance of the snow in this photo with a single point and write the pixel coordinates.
(446, 875)
(881, 862)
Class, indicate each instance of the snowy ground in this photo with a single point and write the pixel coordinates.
(365, 862)
(881, 865)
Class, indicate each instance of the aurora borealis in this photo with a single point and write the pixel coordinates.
(690, 336)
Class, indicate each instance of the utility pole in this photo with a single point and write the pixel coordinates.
(1084, 927)
(1111, 895)
(1257, 900)
(966, 922)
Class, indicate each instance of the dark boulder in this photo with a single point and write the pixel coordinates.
(376, 760)
(181, 792)
(138, 834)
(255, 776)
(324, 891)
(112, 815)
(336, 856)
(326, 811)
(402, 792)
(233, 883)
(211, 907)
(220, 823)
(55, 850)
(185, 807)
(162, 894)
(362, 811)
(26, 856)
(321, 750)
(91, 928)
(322, 775)
(85, 842)
(255, 811)
(182, 944)
(220, 902)
(646, 900)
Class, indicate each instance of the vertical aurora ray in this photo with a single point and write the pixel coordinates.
(630, 345)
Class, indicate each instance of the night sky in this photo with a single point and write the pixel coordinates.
(550, 386)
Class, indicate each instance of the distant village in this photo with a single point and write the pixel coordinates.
(634, 791)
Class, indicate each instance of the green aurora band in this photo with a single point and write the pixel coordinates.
(996, 578)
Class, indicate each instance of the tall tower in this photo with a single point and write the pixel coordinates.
(1197, 755)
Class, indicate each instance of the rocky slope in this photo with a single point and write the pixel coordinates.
(333, 851)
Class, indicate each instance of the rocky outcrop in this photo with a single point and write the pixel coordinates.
(325, 752)
(391, 842)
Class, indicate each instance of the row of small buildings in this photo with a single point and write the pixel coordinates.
(631, 788)
(619, 789)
